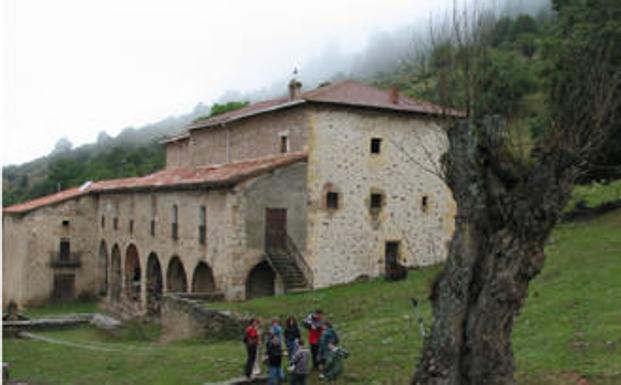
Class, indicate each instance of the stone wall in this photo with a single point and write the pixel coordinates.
(235, 227)
(184, 318)
(249, 138)
(143, 207)
(32, 240)
(177, 153)
(348, 242)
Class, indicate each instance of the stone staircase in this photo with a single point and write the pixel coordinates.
(292, 276)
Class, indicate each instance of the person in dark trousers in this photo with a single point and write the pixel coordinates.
(251, 340)
(328, 336)
(299, 364)
(313, 322)
(274, 361)
(292, 333)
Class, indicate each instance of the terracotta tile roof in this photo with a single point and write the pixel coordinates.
(60, 196)
(348, 92)
(213, 176)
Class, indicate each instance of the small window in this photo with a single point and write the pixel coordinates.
(202, 225)
(175, 223)
(424, 203)
(152, 228)
(115, 223)
(64, 252)
(376, 201)
(66, 223)
(103, 221)
(131, 226)
(332, 200)
(376, 145)
(284, 144)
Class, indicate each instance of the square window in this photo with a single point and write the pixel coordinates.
(66, 223)
(376, 201)
(376, 145)
(332, 200)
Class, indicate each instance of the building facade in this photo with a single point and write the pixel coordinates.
(305, 191)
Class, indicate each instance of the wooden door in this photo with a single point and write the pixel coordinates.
(391, 255)
(64, 287)
(275, 228)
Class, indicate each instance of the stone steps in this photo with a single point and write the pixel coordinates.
(292, 277)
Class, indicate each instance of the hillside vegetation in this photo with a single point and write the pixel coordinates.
(569, 331)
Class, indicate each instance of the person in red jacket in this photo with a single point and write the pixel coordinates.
(314, 323)
(251, 339)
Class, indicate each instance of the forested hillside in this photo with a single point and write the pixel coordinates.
(135, 151)
(516, 72)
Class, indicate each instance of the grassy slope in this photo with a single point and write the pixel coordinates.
(571, 324)
(594, 194)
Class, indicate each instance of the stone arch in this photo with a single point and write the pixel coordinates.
(176, 281)
(133, 273)
(202, 279)
(117, 278)
(260, 281)
(102, 267)
(155, 284)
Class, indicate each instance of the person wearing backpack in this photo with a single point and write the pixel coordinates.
(328, 336)
(251, 340)
(313, 322)
(333, 363)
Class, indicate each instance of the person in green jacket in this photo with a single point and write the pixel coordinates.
(333, 363)
(328, 336)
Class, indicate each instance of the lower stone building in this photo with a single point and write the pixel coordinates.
(358, 196)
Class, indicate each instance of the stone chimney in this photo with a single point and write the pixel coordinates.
(393, 95)
(295, 89)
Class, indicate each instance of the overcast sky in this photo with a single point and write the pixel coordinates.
(76, 67)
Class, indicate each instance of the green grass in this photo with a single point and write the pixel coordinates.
(594, 194)
(570, 326)
(62, 308)
(572, 317)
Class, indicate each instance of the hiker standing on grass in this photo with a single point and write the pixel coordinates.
(328, 336)
(313, 323)
(276, 330)
(251, 340)
(333, 367)
(299, 363)
(292, 333)
(274, 361)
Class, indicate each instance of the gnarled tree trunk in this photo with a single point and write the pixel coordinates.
(505, 214)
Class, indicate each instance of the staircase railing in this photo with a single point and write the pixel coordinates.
(299, 260)
(289, 248)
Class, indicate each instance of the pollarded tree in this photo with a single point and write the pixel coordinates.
(509, 202)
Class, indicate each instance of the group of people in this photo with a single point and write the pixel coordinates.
(325, 353)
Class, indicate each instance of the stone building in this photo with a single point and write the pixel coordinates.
(305, 191)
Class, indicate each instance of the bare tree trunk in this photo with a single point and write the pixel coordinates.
(505, 214)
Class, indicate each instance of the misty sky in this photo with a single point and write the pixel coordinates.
(76, 67)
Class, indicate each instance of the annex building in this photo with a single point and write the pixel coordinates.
(305, 191)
